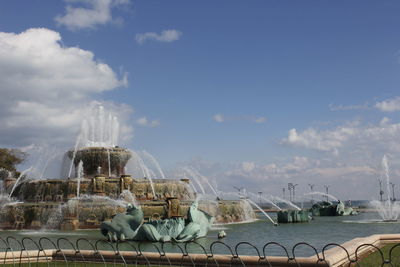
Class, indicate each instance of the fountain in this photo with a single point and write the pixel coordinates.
(99, 168)
(327, 208)
(388, 210)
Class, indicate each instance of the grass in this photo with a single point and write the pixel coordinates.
(375, 259)
(71, 264)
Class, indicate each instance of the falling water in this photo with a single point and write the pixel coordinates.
(80, 175)
(128, 197)
(208, 183)
(385, 167)
(47, 164)
(267, 200)
(147, 173)
(143, 168)
(387, 210)
(262, 211)
(194, 188)
(322, 194)
(74, 154)
(286, 202)
(100, 130)
(155, 162)
(18, 180)
(190, 172)
(109, 162)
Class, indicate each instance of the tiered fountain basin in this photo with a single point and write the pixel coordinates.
(54, 203)
(110, 161)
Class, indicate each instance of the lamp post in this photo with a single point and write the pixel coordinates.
(283, 192)
(259, 197)
(240, 191)
(380, 189)
(327, 191)
(290, 187)
(294, 187)
(312, 190)
(393, 198)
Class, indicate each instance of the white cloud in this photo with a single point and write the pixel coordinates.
(222, 118)
(318, 140)
(218, 118)
(91, 14)
(47, 88)
(145, 122)
(389, 105)
(376, 138)
(349, 107)
(259, 119)
(248, 166)
(165, 36)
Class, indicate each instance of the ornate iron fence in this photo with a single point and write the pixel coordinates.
(45, 251)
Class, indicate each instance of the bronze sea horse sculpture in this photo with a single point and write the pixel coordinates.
(130, 226)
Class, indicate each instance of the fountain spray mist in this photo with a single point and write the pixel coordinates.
(18, 180)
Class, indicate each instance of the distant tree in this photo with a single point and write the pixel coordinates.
(9, 158)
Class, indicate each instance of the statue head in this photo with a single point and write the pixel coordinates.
(195, 205)
(130, 208)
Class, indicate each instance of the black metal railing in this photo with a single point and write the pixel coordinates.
(45, 251)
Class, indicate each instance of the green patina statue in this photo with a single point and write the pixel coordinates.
(326, 208)
(130, 226)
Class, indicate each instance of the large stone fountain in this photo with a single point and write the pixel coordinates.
(100, 188)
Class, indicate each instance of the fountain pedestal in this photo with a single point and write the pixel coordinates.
(126, 182)
(173, 206)
(99, 185)
(71, 217)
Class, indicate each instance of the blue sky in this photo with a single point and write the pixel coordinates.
(228, 84)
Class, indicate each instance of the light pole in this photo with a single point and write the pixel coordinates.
(327, 191)
(393, 198)
(294, 187)
(312, 190)
(239, 191)
(380, 189)
(259, 197)
(283, 192)
(290, 187)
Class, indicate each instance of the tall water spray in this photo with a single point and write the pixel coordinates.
(387, 210)
(287, 202)
(261, 210)
(109, 162)
(322, 194)
(266, 200)
(97, 130)
(190, 172)
(154, 162)
(78, 139)
(80, 175)
(17, 182)
(100, 130)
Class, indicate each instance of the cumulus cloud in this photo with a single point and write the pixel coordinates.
(318, 140)
(46, 88)
(218, 118)
(146, 122)
(333, 107)
(223, 118)
(353, 137)
(165, 36)
(389, 105)
(90, 14)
